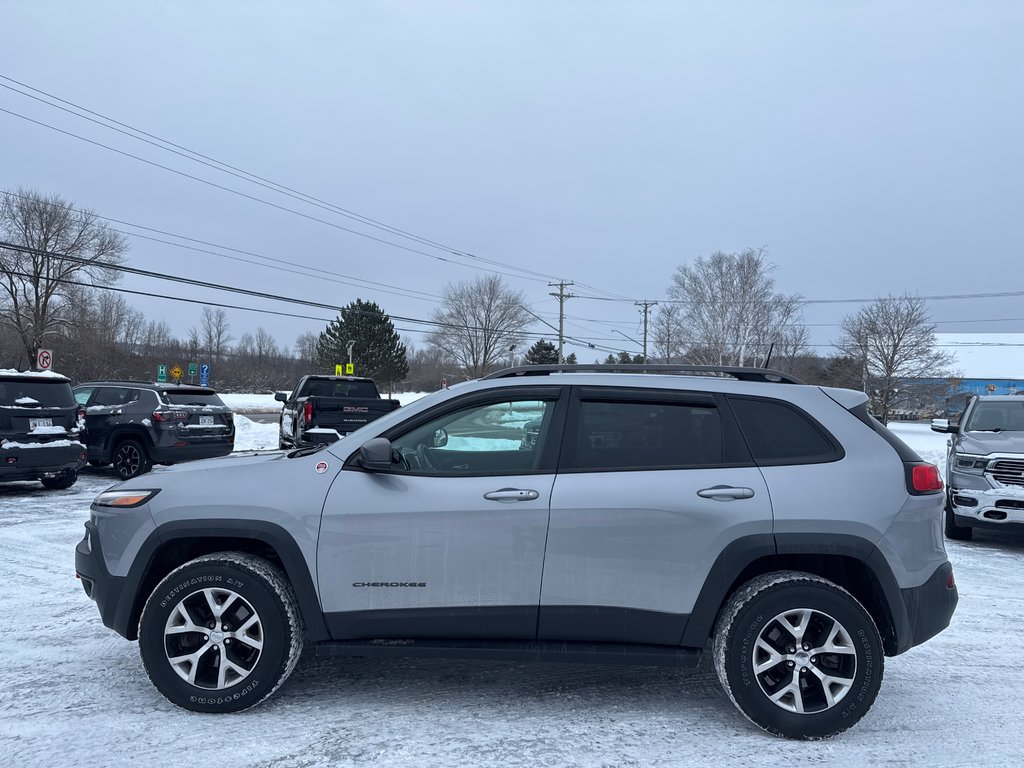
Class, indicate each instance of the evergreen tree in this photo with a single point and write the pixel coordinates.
(571, 359)
(541, 353)
(378, 352)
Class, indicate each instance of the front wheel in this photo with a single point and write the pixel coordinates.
(221, 633)
(131, 459)
(798, 655)
(60, 482)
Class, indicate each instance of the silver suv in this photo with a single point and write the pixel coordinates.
(594, 516)
(985, 466)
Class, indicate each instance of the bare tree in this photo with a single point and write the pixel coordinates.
(894, 341)
(477, 323)
(668, 333)
(67, 247)
(305, 347)
(213, 336)
(730, 307)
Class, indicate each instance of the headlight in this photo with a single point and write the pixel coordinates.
(124, 499)
(974, 465)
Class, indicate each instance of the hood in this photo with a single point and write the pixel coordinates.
(196, 471)
(983, 443)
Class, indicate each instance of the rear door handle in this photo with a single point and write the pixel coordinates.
(725, 493)
(508, 495)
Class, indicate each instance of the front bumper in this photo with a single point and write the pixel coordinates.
(988, 508)
(107, 591)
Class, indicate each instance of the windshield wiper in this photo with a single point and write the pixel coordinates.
(306, 451)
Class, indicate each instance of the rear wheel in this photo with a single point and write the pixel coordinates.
(60, 482)
(798, 655)
(954, 531)
(131, 459)
(221, 633)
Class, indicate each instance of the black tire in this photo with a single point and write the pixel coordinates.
(252, 592)
(131, 459)
(61, 482)
(954, 531)
(834, 687)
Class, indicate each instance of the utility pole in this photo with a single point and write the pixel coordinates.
(562, 296)
(646, 310)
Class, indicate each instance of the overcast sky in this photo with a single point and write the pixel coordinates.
(872, 147)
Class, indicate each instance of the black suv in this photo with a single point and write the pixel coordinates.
(39, 429)
(135, 424)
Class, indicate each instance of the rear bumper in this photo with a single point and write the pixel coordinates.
(927, 609)
(193, 450)
(33, 463)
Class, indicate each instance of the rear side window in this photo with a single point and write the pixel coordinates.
(35, 393)
(353, 389)
(115, 396)
(777, 433)
(184, 397)
(614, 435)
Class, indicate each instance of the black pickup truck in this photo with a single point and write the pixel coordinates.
(323, 408)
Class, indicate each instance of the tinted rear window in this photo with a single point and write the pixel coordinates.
(184, 397)
(780, 434)
(34, 393)
(325, 388)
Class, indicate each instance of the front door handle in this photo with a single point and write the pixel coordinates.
(725, 493)
(507, 495)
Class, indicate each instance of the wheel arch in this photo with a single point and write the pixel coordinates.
(174, 544)
(128, 432)
(850, 562)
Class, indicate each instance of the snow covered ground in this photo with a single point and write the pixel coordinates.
(74, 693)
(265, 403)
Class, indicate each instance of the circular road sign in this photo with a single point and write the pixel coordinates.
(44, 360)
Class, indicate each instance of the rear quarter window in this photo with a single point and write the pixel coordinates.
(778, 433)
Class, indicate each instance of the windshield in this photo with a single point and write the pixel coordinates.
(35, 393)
(996, 417)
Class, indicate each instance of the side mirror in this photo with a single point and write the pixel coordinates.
(375, 454)
(281, 397)
(943, 425)
(440, 438)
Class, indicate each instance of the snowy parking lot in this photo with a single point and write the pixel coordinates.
(74, 693)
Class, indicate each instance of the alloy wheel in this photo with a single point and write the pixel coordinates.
(213, 638)
(804, 661)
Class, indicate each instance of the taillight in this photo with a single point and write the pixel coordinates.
(170, 415)
(924, 478)
(307, 413)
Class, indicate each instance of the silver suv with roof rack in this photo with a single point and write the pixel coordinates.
(647, 518)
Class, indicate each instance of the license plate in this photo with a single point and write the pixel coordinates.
(36, 423)
(206, 421)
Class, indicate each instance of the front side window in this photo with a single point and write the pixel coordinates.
(82, 395)
(646, 435)
(493, 438)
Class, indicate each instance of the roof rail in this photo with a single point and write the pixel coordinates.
(736, 372)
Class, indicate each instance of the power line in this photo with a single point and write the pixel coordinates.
(370, 284)
(247, 176)
(262, 201)
(227, 288)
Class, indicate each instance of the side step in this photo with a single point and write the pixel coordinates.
(517, 650)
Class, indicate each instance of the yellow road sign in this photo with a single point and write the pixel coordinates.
(176, 372)
(339, 369)
(350, 368)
